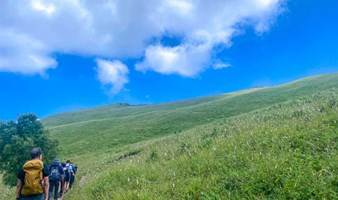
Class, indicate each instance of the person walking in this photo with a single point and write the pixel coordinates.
(66, 177)
(72, 176)
(32, 179)
(55, 180)
(69, 174)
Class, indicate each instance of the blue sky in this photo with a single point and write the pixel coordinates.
(280, 42)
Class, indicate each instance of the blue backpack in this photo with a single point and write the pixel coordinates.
(55, 175)
(70, 169)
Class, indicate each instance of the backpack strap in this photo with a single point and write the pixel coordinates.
(41, 177)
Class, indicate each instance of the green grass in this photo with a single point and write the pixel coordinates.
(268, 143)
(113, 127)
(6, 192)
(286, 151)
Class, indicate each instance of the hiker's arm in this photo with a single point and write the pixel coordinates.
(46, 187)
(18, 188)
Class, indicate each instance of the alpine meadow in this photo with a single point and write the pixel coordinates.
(168, 100)
(264, 143)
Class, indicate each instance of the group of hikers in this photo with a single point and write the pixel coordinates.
(37, 181)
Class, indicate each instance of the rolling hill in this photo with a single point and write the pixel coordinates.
(265, 143)
(111, 127)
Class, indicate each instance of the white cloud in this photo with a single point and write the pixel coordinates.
(118, 29)
(184, 7)
(221, 65)
(112, 73)
(22, 54)
(47, 8)
(186, 60)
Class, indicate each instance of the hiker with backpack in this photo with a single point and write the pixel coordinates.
(72, 175)
(33, 183)
(69, 172)
(55, 180)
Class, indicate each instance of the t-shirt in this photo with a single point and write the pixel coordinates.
(21, 173)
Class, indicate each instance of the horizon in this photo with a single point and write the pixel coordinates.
(53, 69)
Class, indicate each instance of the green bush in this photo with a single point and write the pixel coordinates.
(16, 141)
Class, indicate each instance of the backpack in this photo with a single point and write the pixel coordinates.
(70, 169)
(75, 169)
(66, 171)
(33, 178)
(55, 175)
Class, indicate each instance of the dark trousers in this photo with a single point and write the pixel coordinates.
(72, 180)
(54, 191)
(36, 197)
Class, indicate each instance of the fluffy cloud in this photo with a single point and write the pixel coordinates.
(33, 30)
(186, 60)
(203, 26)
(22, 54)
(112, 73)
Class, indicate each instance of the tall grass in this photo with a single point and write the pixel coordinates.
(113, 127)
(287, 151)
(6, 192)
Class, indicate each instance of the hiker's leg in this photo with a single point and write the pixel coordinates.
(62, 187)
(51, 188)
(66, 186)
(71, 181)
(56, 191)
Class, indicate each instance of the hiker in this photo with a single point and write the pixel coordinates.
(32, 183)
(68, 169)
(66, 177)
(55, 180)
(72, 176)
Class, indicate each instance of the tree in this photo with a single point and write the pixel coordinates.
(16, 141)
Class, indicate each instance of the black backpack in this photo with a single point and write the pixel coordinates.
(55, 175)
(75, 169)
(66, 171)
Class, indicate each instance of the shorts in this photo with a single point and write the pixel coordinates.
(35, 197)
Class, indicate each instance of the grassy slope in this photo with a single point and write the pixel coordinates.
(96, 138)
(5, 192)
(113, 127)
(286, 151)
(102, 135)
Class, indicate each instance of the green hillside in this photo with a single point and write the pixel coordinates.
(112, 127)
(268, 143)
(286, 151)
